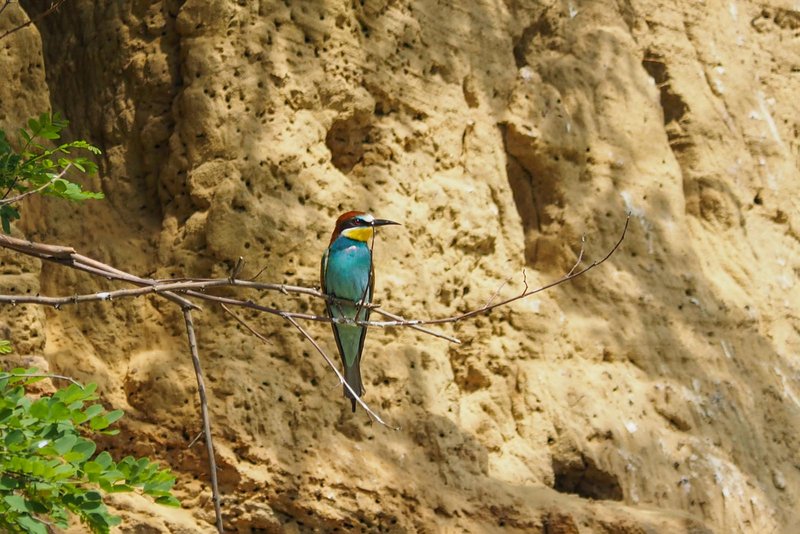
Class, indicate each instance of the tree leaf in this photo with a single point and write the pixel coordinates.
(31, 525)
(169, 500)
(65, 444)
(16, 503)
(14, 437)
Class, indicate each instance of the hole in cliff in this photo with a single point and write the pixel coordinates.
(581, 476)
(346, 139)
(533, 177)
(672, 104)
(541, 29)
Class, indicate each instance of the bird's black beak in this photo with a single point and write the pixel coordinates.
(383, 222)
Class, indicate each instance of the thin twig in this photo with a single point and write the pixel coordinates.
(5, 5)
(244, 324)
(336, 370)
(19, 197)
(55, 5)
(198, 436)
(201, 389)
(422, 329)
(3, 376)
(497, 291)
(253, 279)
(526, 293)
(236, 269)
(580, 256)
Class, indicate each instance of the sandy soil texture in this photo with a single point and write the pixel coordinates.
(659, 393)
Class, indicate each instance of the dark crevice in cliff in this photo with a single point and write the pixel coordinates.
(114, 71)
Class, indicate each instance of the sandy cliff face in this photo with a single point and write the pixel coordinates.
(660, 393)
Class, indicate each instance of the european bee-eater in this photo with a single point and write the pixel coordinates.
(347, 273)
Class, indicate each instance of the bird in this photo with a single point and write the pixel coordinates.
(347, 274)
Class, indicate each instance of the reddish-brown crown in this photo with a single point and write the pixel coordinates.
(343, 218)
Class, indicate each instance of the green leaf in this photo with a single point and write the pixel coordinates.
(24, 134)
(63, 471)
(14, 437)
(8, 213)
(5, 147)
(5, 347)
(169, 500)
(92, 506)
(40, 408)
(92, 468)
(120, 488)
(31, 525)
(93, 496)
(93, 411)
(16, 503)
(65, 444)
(98, 423)
(59, 185)
(104, 459)
(71, 191)
(8, 483)
(114, 415)
(84, 449)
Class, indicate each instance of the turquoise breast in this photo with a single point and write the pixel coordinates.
(347, 273)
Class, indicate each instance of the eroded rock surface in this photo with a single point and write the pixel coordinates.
(657, 394)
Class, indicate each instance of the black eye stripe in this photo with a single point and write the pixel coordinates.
(354, 223)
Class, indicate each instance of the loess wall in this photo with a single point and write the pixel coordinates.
(659, 393)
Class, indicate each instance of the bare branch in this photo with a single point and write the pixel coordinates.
(572, 274)
(68, 256)
(201, 389)
(195, 287)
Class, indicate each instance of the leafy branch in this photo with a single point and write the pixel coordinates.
(49, 470)
(37, 168)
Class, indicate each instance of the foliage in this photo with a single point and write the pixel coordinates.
(36, 166)
(49, 469)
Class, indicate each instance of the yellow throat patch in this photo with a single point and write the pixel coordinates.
(359, 234)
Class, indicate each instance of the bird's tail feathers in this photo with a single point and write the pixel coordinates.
(352, 375)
